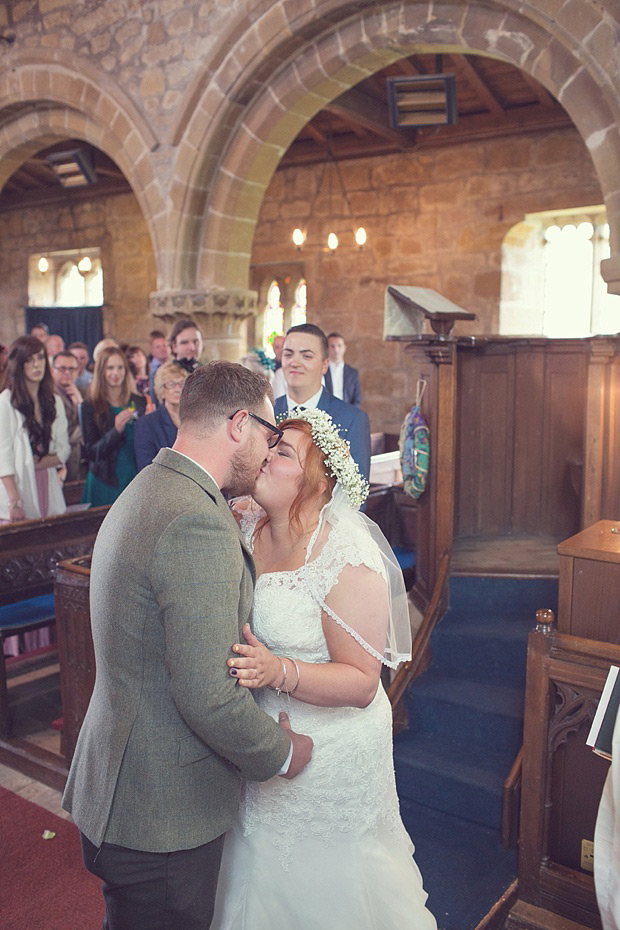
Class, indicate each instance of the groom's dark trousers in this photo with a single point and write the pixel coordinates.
(156, 891)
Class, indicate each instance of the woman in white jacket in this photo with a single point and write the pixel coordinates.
(34, 443)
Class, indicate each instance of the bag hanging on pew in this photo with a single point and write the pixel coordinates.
(414, 443)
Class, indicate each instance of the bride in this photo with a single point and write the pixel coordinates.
(327, 849)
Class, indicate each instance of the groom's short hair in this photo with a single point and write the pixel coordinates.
(214, 391)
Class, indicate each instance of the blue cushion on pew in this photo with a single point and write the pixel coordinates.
(32, 610)
(405, 557)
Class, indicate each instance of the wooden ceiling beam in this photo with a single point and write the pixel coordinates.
(58, 195)
(472, 77)
(468, 129)
(354, 105)
(316, 134)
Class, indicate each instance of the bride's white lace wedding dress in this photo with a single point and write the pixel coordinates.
(328, 849)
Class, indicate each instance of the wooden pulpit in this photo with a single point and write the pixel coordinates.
(589, 595)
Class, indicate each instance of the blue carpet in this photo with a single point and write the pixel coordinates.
(465, 729)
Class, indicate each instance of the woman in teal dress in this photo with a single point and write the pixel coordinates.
(107, 420)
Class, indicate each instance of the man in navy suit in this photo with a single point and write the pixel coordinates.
(342, 380)
(304, 362)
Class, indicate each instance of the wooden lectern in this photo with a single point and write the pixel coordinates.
(589, 596)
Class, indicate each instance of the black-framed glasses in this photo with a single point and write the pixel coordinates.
(64, 369)
(277, 434)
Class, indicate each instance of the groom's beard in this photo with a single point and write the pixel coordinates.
(244, 469)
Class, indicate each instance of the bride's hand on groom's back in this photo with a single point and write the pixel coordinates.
(254, 666)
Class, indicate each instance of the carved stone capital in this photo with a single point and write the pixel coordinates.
(610, 270)
(233, 303)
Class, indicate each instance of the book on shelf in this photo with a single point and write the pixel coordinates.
(601, 732)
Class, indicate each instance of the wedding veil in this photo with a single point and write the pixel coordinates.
(362, 534)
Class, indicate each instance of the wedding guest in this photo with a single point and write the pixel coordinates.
(186, 344)
(34, 441)
(34, 446)
(159, 353)
(304, 362)
(105, 343)
(159, 350)
(64, 373)
(40, 331)
(158, 430)
(53, 346)
(139, 368)
(107, 421)
(342, 380)
(84, 376)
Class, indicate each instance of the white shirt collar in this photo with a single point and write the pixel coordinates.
(310, 404)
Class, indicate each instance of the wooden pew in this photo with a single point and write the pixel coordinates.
(29, 553)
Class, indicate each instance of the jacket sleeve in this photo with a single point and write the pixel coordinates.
(145, 442)
(196, 573)
(97, 445)
(358, 435)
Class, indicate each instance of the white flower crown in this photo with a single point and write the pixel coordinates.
(337, 453)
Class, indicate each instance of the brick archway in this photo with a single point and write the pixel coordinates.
(47, 101)
(230, 148)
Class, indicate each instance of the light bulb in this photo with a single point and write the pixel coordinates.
(360, 236)
(332, 241)
(298, 237)
(84, 265)
(43, 264)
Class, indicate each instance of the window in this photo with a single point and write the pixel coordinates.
(72, 278)
(551, 280)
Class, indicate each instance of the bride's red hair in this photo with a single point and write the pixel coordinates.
(315, 482)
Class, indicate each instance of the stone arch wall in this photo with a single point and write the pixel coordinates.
(237, 134)
(45, 100)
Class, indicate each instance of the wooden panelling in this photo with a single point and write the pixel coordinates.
(563, 406)
(527, 483)
(521, 410)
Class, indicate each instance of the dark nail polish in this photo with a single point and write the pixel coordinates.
(233, 671)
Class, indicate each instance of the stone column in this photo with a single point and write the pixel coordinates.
(221, 313)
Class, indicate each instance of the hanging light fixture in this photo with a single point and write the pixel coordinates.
(43, 264)
(332, 167)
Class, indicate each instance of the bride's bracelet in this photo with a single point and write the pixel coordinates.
(281, 688)
(297, 670)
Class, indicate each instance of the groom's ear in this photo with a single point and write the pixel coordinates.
(235, 424)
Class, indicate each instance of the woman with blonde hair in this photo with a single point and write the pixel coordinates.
(158, 430)
(107, 422)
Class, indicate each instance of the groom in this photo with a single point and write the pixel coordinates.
(167, 738)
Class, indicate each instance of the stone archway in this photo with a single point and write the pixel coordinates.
(47, 101)
(221, 174)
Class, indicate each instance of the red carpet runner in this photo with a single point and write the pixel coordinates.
(43, 884)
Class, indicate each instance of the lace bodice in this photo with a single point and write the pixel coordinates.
(349, 784)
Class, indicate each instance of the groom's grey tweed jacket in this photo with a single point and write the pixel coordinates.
(168, 734)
